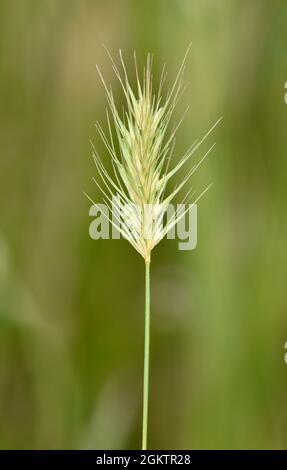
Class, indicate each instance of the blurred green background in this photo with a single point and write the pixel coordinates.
(71, 309)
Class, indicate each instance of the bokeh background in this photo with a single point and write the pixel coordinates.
(71, 309)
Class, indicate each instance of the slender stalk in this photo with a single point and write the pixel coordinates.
(146, 355)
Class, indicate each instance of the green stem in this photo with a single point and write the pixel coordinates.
(146, 355)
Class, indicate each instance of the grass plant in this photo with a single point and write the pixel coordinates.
(140, 143)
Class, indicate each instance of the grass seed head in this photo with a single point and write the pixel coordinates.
(140, 160)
